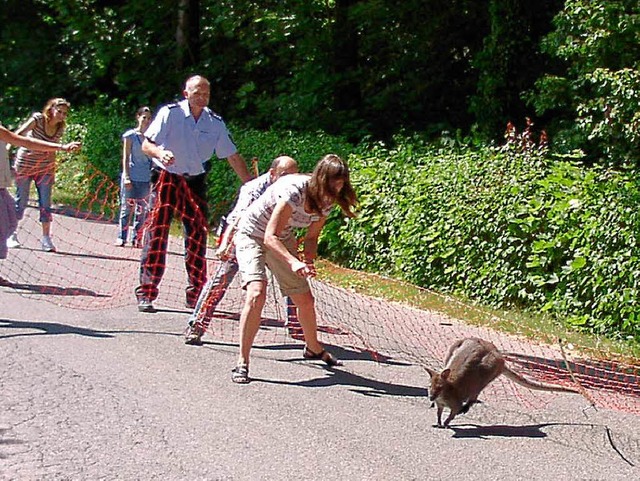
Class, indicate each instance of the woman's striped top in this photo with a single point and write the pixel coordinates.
(32, 162)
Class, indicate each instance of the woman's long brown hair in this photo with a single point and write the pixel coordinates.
(319, 193)
(52, 103)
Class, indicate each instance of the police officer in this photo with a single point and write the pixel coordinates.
(180, 139)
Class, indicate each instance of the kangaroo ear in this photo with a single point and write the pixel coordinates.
(445, 374)
(431, 372)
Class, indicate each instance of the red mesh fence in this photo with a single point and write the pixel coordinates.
(89, 272)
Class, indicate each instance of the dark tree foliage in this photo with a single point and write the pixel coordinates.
(417, 62)
(349, 67)
(346, 62)
(30, 72)
(510, 62)
(188, 34)
(353, 66)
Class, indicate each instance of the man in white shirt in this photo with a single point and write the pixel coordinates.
(180, 139)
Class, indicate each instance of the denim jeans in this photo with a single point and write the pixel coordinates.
(133, 200)
(44, 185)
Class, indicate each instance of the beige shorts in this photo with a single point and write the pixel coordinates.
(253, 258)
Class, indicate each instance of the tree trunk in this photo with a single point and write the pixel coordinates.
(188, 34)
(347, 93)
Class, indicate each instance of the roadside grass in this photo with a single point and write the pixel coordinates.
(539, 328)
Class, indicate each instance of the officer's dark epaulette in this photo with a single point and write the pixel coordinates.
(172, 106)
(213, 114)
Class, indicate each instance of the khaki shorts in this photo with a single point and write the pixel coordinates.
(253, 258)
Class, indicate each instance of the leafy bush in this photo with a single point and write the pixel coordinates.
(506, 228)
(594, 99)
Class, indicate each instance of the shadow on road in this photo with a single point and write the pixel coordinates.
(362, 385)
(82, 255)
(48, 329)
(54, 328)
(7, 441)
(341, 353)
(338, 376)
(502, 431)
(103, 257)
(53, 290)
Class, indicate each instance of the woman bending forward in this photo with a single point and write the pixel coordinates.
(265, 238)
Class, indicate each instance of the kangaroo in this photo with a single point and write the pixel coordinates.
(471, 364)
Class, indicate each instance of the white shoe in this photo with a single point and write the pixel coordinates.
(47, 245)
(119, 242)
(145, 305)
(13, 242)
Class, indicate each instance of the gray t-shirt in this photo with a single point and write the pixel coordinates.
(249, 193)
(290, 188)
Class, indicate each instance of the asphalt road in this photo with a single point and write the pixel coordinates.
(115, 394)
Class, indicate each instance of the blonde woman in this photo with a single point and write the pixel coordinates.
(39, 166)
(8, 221)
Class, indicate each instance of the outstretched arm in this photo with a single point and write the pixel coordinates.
(26, 127)
(224, 250)
(36, 144)
(22, 130)
(239, 166)
(151, 149)
(311, 240)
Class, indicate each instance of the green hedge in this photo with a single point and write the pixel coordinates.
(506, 228)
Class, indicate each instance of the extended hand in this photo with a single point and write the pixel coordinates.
(72, 146)
(303, 270)
(225, 251)
(167, 157)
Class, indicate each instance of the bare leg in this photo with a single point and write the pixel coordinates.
(307, 318)
(250, 318)
(46, 228)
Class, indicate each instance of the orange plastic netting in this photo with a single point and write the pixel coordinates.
(89, 272)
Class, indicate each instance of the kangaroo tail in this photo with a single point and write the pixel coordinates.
(517, 378)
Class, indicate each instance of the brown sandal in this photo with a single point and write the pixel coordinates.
(324, 356)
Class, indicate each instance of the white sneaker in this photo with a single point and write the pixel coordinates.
(13, 242)
(145, 305)
(119, 242)
(47, 245)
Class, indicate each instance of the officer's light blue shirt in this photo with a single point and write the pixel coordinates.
(191, 142)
